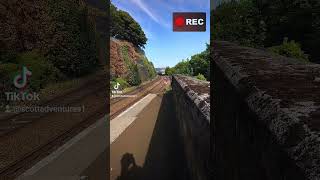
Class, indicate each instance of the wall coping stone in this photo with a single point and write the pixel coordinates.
(198, 92)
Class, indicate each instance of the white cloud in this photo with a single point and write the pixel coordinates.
(143, 6)
(146, 9)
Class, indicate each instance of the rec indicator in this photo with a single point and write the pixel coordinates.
(189, 21)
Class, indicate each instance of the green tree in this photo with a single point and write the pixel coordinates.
(298, 20)
(169, 71)
(197, 64)
(200, 63)
(183, 67)
(262, 23)
(123, 26)
(239, 21)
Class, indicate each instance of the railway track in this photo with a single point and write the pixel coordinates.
(19, 166)
(26, 160)
(16, 121)
(135, 91)
(23, 144)
(124, 105)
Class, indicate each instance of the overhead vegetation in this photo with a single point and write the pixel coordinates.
(259, 23)
(124, 27)
(198, 65)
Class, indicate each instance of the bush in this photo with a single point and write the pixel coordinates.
(201, 77)
(183, 67)
(290, 49)
(43, 72)
(123, 83)
(133, 77)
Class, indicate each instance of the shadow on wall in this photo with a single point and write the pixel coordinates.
(165, 158)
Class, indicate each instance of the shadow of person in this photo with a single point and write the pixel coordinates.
(129, 168)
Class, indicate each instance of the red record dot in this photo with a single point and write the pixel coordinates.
(179, 21)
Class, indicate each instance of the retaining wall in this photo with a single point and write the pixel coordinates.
(192, 103)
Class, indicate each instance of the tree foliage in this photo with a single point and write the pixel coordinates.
(290, 49)
(73, 48)
(298, 20)
(261, 23)
(183, 67)
(239, 22)
(197, 64)
(123, 26)
(43, 72)
(200, 63)
(169, 71)
(148, 65)
(201, 77)
(62, 30)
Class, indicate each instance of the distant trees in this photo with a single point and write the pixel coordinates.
(198, 65)
(169, 71)
(123, 26)
(261, 23)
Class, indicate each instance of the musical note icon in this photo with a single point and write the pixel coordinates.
(21, 80)
(116, 87)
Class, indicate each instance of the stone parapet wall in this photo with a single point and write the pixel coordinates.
(266, 113)
(192, 103)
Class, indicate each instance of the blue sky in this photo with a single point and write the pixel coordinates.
(165, 47)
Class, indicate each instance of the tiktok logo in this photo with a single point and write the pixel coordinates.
(116, 86)
(21, 80)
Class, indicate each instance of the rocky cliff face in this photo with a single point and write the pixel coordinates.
(126, 60)
(118, 66)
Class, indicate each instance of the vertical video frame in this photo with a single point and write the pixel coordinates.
(159, 89)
